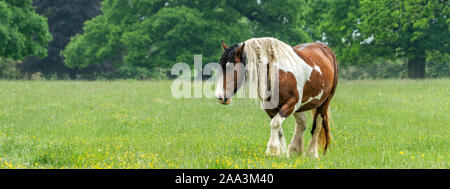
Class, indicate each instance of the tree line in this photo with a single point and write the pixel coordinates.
(92, 39)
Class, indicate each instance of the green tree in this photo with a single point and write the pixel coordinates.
(154, 33)
(406, 29)
(159, 33)
(282, 19)
(335, 22)
(65, 19)
(364, 31)
(23, 32)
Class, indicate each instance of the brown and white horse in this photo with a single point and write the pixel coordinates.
(307, 79)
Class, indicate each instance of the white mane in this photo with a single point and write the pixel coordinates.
(260, 52)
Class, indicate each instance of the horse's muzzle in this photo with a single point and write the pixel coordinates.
(224, 101)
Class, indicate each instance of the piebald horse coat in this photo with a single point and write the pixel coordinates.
(307, 79)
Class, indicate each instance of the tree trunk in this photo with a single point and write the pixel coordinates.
(416, 68)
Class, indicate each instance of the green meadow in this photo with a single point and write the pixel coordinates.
(133, 124)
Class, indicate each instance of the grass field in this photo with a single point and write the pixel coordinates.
(132, 124)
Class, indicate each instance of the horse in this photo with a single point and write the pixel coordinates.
(307, 80)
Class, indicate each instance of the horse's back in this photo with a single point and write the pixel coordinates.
(314, 52)
(323, 79)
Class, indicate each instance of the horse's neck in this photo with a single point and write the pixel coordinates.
(279, 56)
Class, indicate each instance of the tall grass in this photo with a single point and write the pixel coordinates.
(131, 124)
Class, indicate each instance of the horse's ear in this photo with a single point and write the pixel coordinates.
(224, 46)
(240, 49)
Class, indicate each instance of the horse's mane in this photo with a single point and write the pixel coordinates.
(228, 55)
(264, 56)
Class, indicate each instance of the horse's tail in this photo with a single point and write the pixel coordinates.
(325, 133)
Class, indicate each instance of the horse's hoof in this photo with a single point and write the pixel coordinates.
(313, 155)
(295, 150)
(294, 153)
(273, 151)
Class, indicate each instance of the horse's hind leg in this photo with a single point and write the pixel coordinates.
(317, 122)
(320, 130)
(296, 146)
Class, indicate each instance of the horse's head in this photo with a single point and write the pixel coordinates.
(232, 63)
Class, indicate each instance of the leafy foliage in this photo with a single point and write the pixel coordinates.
(22, 31)
(156, 33)
(8, 69)
(143, 38)
(335, 22)
(406, 28)
(65, 19)
(365, 32)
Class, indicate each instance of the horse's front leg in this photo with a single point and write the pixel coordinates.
(296, 146)
(276, 145)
